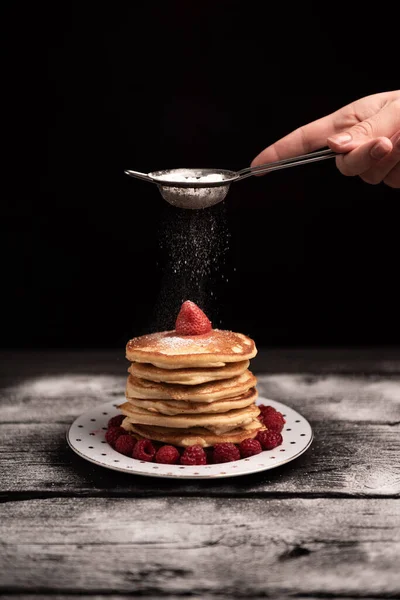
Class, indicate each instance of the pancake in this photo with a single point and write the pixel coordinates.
(189, 376)
(168, 350)
(216, 423)
(177, 407)
(203, 392)
(190, 437)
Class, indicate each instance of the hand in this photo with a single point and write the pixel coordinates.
(366, 133)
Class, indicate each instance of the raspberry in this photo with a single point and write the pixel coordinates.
(191, 320)
(125, 444)
(167, 455)
(265, 409)
(225, 452)
(113, 433)
(249, 448)
(144, 450)
(193, 455)
(116, 421)
(269, 439)
(271, 418)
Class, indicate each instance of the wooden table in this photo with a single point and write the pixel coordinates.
(326, 525)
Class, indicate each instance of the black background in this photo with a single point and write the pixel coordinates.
(303, 256)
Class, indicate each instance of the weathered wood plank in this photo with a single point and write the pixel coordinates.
(351, 361)
(345, 459)
(167, 596)
(372, 398)
(58, 386)
(32, 362)
(62, 397)
(202, 546)
(59, 398)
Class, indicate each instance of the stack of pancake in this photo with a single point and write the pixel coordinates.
(191, 389)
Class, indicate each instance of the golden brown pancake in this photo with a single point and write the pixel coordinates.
(177, 407)
(190, 437)
(187, 376)
(168, 350)
(214, 422)
(204, 392)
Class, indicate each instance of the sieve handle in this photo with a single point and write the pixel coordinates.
(287, 162)
(139, 175)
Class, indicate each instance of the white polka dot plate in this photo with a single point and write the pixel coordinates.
(86, 437)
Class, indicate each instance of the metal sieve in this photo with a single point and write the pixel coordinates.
(200, 188)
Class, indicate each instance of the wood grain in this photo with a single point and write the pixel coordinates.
(344, 458)
(61, 400)
(324, 525)
(314, 360)
(373, 398)
(236, 547)
(59, 387)
(167, 596)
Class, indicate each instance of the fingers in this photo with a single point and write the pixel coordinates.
(384, 123)
(364, 157)
(343, 130)
(375, 161)
(365, 133)
(300, 141)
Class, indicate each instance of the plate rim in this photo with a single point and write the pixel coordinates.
(190, 475)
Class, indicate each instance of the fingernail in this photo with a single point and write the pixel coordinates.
(379, 150)
(341, 139)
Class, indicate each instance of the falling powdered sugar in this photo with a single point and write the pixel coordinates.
(193, 247)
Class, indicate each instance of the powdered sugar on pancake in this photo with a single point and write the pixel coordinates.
(169, 343)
